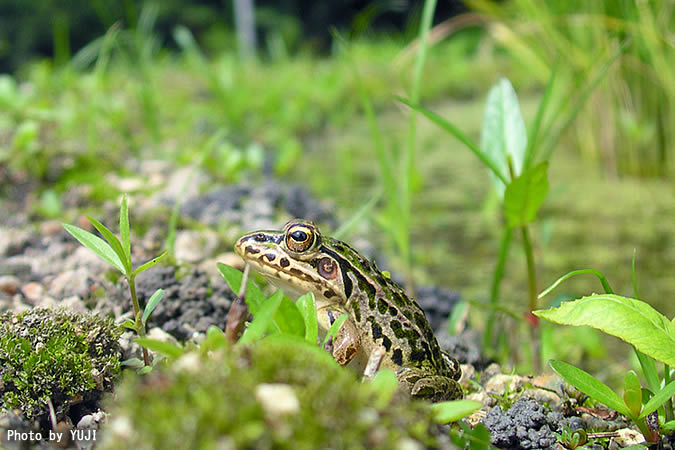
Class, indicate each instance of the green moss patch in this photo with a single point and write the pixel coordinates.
(278, 393)
(56, 354)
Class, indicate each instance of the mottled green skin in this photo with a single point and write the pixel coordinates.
(381, 315)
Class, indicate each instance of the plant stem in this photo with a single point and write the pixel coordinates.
(496, 283)
(532, 293)
(140, 328)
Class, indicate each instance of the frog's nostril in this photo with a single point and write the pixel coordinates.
(259, 237)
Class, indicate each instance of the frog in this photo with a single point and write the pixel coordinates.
(384, 327)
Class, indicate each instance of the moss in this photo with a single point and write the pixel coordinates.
(56, 354)
(215, 402)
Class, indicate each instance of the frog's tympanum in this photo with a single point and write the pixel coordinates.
(384, 329)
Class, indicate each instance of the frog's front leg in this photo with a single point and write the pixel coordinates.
(423, 384)
(344, 345)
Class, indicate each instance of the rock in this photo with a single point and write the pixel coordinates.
(627, 437)
(9, 284)
(33, 291)
(501, 383)
(277, 399)
(51, 228)
(70, 283)
(74, 303)
(194, 246)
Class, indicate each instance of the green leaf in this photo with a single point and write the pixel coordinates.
(307, 307)
(445, 412)
(524, 195)
(150, 263)
(134, 363)
(114, 243)
(441, 122)
(152, 304)
(215, 339)
(254, 296)
(632, 392)
(161, 347)
(590, 386)
(631, 320)
(130, 324)
(96, 245)
(262, 319)
(669, 426)
(658, 399)
(503, 137)
(384, 383)
(124, 228)
(289, 319)
(335, 327)
(649, 370)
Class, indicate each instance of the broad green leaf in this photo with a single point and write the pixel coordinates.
(524, 195)
(124, 228)
(149, 264)
(503, 137)
(445, 412)
(114, 243)
(161, 347)
(289, 319)
(307, 307)
(590, 386)
(669, 426)
(631, 320)
(96, 245)
(335, 327)
(658, 399)
(262, 319)
(254, 296)
(152, 304)
(632, 392)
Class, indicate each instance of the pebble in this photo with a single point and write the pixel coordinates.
(70, 283)
(194, 246)
(51, 228)
(9, 284)
(500, 383)
(277, 399)
(33, 291)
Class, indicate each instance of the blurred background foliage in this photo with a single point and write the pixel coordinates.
(87, 86)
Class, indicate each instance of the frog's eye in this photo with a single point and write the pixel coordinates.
(299, 238)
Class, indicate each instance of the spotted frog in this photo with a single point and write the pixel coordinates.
(384, 329)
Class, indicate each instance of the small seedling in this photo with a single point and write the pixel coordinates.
(117, 252)
(652, 336)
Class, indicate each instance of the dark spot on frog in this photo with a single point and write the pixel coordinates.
(270, 256)
(356, 310)
(398, 299)
(252, 250)
(329, 293)
(331, 317)
(397, 356)
(417, 355)
(284, 262)
(393, 311)
(377, 330)
(382, 305)
(386, 342)
(397, 328)
(260, 237)
(420, 320)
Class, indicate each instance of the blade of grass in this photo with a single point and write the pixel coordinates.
(531, 150)
(601, 277)
(124, 228)
(441, 122)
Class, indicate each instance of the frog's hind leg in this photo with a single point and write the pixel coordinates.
(431, 387)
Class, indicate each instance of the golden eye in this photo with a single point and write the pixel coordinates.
(299, 238)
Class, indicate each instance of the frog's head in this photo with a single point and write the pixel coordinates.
(297, 259)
